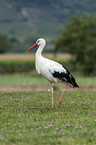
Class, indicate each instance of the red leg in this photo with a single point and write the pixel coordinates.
(52, 93)
(62, 94)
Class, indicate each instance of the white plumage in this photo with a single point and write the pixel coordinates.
(47, 67)
(51, 70)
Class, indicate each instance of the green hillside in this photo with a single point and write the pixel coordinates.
(46, 18)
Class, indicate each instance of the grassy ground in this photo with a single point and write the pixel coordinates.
(27, 118)
(39, 81)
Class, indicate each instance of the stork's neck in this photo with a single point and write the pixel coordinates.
(39, 50)
(38, 56)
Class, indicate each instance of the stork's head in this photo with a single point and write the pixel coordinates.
(39, 42)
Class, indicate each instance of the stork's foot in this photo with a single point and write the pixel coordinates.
(59, 102)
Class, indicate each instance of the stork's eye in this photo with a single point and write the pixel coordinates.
(38, 41)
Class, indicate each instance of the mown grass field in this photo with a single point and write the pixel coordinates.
(27, 118)
(38, 81)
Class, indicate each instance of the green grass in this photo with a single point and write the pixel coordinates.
(39, 81)
(23, 81)
(22, 113)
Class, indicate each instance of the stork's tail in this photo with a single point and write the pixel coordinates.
(73, 82)
(71, 79)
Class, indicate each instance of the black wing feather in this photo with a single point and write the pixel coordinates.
(66, 77)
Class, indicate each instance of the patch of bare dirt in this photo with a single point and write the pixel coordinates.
(28, 89)
(20, 89)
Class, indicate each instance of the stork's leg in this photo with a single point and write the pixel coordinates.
(62, 94)
(52, 93)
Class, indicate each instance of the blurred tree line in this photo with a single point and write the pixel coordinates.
(13, 44)
(79, 39)
(4, 43)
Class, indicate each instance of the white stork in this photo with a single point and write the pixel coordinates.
(51, 70)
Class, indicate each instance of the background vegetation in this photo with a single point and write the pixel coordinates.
(28, 20)
(19, 18)
(79, 39)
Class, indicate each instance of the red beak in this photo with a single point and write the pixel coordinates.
(31, 47)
